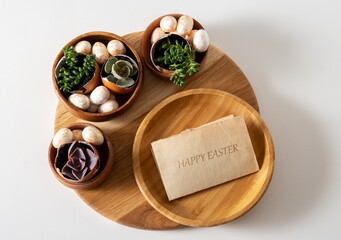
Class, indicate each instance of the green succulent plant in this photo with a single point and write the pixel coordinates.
(120, 72)
(175, 56)
(74, 70)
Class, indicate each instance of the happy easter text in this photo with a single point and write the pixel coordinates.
(210, 155)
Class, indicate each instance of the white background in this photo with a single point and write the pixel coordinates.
(290, 51)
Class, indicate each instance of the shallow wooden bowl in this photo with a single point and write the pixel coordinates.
(216, 205)
(146, 46)
(124, 100)
(106, 154)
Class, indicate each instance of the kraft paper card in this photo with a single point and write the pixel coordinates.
(206, 156)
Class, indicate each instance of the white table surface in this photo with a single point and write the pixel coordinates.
(289, 50)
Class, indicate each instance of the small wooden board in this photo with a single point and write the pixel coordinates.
(119, 197)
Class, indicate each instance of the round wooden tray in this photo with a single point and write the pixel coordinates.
(119, 197)
(216, 205)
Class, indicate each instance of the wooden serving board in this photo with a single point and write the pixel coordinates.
(119, 197)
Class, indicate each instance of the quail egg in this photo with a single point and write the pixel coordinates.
(99, 95)
(77, 135)
(116, 47)
(101, 52)
(157, 34)
(108, 106)
(168, 24)
(64, 135)
(92, 135)
(81, 101)
(201, 41)
(185, 25)
(83, 47)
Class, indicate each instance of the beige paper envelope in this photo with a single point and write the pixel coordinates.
(206, 156)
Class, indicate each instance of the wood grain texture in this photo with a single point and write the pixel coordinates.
(119, 197)
(216, 205)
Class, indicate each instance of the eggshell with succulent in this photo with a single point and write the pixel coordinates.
(92, 135)
(168, 24)
(101, 52)
(81, 101)
(99, 95)
(83, 47)
(116, 47)
(201, 41)
(64, 135)
(185, 25)
(108, 106)
(157, 34)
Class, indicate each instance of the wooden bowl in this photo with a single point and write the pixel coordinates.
(124, 101)
(146, 46)
(216, 205)
(106, 153)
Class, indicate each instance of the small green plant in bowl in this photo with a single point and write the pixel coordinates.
(75, 72)
(173, 55)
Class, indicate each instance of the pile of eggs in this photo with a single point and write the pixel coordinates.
(101, 51)
(183, 27)
(100, 100)
(89, 134)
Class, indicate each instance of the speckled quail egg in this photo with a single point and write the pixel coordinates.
(190, 36)
(112, 96)
(64, 135)
(83, 47)
(185, 25)
(201, 41)
(116, 47)
(99, 95)
(157, 34)
(108, 106)
(93, 108)
(168, 24)
(77, 135)
(101, 52)
(93, 135)
(81, 101)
